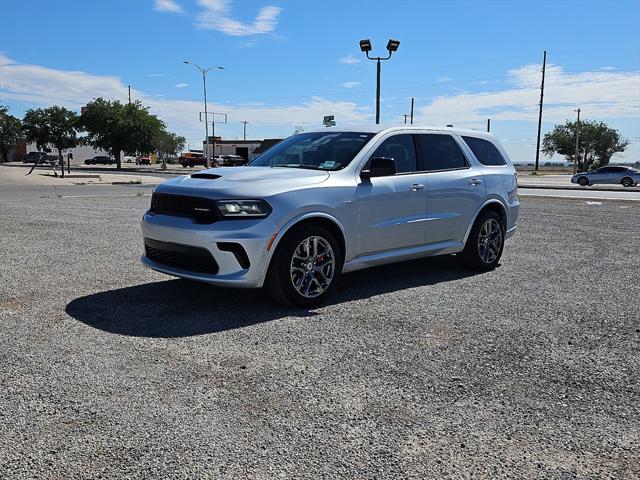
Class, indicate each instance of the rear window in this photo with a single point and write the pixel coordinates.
(485, 151)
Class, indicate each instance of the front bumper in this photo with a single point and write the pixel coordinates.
(252, 235)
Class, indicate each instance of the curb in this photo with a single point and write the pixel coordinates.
(580, 189)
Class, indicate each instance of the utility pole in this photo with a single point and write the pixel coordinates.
(244, 129)
(577, 157)
(129, 94)
(544, 66)
(488, 124)
(412, 99)
(405, 118)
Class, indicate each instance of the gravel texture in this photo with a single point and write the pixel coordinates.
(417, 370)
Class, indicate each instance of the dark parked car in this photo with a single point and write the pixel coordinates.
(99, 160)
(35, 157)
(143, 160)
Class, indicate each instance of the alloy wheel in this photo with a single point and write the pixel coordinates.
(312, 266)
(490, 241)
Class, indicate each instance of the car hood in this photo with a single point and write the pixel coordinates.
(246, 182)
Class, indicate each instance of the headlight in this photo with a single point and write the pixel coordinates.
(243, 208)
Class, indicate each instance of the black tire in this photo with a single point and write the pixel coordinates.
(475, 251)
(280, 280)
(583, 181)
(627, 182)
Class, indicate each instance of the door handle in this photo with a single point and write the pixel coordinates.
(475, 181)
(416, 187)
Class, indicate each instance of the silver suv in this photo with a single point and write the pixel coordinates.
(324, 203)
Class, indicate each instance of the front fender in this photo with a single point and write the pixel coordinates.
(290, 224)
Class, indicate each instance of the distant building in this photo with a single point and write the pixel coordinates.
(245, 148)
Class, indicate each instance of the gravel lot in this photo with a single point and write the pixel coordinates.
(419, 370)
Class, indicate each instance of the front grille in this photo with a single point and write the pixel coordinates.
(202, 210)
(184, 257)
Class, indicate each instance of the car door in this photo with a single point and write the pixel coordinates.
(392, 209)
(616, 174)
(600, 175)
(455, 187)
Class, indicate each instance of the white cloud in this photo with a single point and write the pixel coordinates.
(182, 85)
(167, 6)
(349, 60)
(216, 15)
(351, 84)
(600, 94)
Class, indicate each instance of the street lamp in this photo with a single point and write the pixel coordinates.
(365, 46)
(204, 72)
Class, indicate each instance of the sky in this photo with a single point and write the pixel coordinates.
(290, 62)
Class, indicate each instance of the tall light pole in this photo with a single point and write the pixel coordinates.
(365, 46)
(204, 72)
(244, 129)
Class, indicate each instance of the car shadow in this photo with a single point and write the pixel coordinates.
(179, 308)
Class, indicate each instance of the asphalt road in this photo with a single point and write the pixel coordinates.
(418, 370)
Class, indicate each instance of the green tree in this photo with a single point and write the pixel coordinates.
(10, 132)
(115, 127)
(55, 126)
(598, 143)
(167, 145)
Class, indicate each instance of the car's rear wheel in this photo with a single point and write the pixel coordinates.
(627, 182)
(305, 267)
(485, 243)
(583, 181)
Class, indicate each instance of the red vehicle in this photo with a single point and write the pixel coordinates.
(191, 159)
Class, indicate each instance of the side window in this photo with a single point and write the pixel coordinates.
(440, 152)
(485, 151)
(402, 150)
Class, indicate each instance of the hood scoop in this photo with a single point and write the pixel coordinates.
(209, 176)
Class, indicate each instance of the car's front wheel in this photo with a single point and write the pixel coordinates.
(485, 243)
(627, 182)
(583, 181)
(305, 267)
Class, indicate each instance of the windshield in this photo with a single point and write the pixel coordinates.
(317, 151)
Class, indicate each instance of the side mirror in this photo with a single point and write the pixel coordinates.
(379, 167)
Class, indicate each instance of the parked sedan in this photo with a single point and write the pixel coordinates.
(99, 160)
(626, 176)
